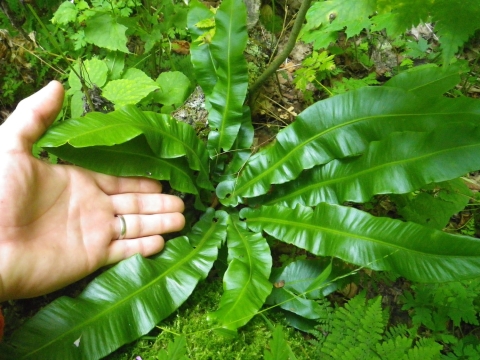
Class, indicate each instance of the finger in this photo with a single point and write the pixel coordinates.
(138, 226)
(33, 116)
(146, 203)
(122, 249)
(112, 185)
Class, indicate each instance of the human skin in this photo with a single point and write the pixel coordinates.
(57, 222)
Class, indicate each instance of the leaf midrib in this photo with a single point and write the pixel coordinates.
(170, 270)
(323, 184)
(238, 190)
(143, 127)
(344, 234)
(250, 271)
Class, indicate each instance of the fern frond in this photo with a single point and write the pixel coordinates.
(394, 348)
(425, 349)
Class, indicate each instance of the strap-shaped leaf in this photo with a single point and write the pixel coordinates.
(226, 100)
(125, 302)
(133, 158)
(414, 251)
(298, 284)
(166, 137)
(201, 56)
(400, 163)
(245, 282)
(427, 80)
(339, 127)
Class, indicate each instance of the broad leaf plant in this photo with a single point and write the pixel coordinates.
(391, 139)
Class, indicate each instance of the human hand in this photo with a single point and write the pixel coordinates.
(58, 223)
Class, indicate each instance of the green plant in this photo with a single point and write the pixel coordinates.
(375, 140)
(441, 308)
(455, 20)
(357, 331)
(110, 87)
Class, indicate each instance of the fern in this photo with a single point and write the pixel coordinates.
(456, 20)
(358, 332)
(435, 305)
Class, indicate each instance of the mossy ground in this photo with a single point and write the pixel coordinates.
(205, 343)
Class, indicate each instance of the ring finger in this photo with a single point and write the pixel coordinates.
(137, 226)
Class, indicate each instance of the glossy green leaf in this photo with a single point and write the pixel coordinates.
(124, 302)
(296, 304)
(428, 80)
(166, 137)
(411, 250)
(339, 127)
(201, 56)
(245, 282)
(400, 163)
(300, 275)
(298, 284)
(133, 158)
(226, 101)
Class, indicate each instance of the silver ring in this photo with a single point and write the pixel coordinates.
(123, 227)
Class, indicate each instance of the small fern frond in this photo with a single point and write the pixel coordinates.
(394, 348)
(356, 329)
(425, 349)
(372, 324)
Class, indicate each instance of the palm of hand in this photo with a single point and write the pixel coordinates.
(57, 223)
(50, 227)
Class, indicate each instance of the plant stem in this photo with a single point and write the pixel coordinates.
(59, 49)
(280, 58)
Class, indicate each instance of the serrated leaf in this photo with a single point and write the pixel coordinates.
(398, 16)
(456, 21)
(104, 31)
(400, 163)
(378, 243)
(226, 100)
(434, 204)
(133, 87)
(245, 282)
(339, 127)
(66, 13)
(278, 346)
(124, 302)
(166, 137)
(326, 18)
(177, 350)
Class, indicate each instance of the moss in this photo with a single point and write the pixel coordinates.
(205, 343)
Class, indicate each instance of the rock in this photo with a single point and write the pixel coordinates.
(253, 12)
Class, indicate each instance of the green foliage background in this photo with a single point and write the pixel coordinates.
(310, 191)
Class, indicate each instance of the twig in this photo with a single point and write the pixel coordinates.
(275, 64)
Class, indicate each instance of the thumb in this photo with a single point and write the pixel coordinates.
(32, 117)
